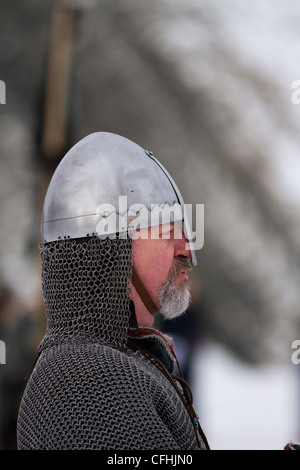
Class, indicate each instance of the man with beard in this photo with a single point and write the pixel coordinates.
(103, 377)
(162, 259)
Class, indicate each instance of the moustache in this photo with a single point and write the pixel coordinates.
(180, 263)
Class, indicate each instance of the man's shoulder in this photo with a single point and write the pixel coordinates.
(81, 370)
(91, 359)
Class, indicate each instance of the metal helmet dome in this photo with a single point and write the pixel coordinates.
(103, 176)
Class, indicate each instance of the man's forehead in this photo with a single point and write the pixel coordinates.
(178, 225)
(166, 231)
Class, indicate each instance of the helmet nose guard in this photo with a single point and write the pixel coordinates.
(103, 176)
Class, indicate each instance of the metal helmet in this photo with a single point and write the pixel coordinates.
(102, 177)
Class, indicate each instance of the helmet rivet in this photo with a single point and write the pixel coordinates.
(105, 214)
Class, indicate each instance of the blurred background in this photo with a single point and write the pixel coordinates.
(206, 85)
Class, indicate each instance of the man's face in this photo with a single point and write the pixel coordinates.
(162, 260)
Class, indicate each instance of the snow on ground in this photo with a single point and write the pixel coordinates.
(243, 407)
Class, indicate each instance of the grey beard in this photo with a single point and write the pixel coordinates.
(174, 300)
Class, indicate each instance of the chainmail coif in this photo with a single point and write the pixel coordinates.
(88, 390)
(85, 286)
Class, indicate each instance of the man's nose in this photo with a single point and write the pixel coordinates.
(182, 248)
